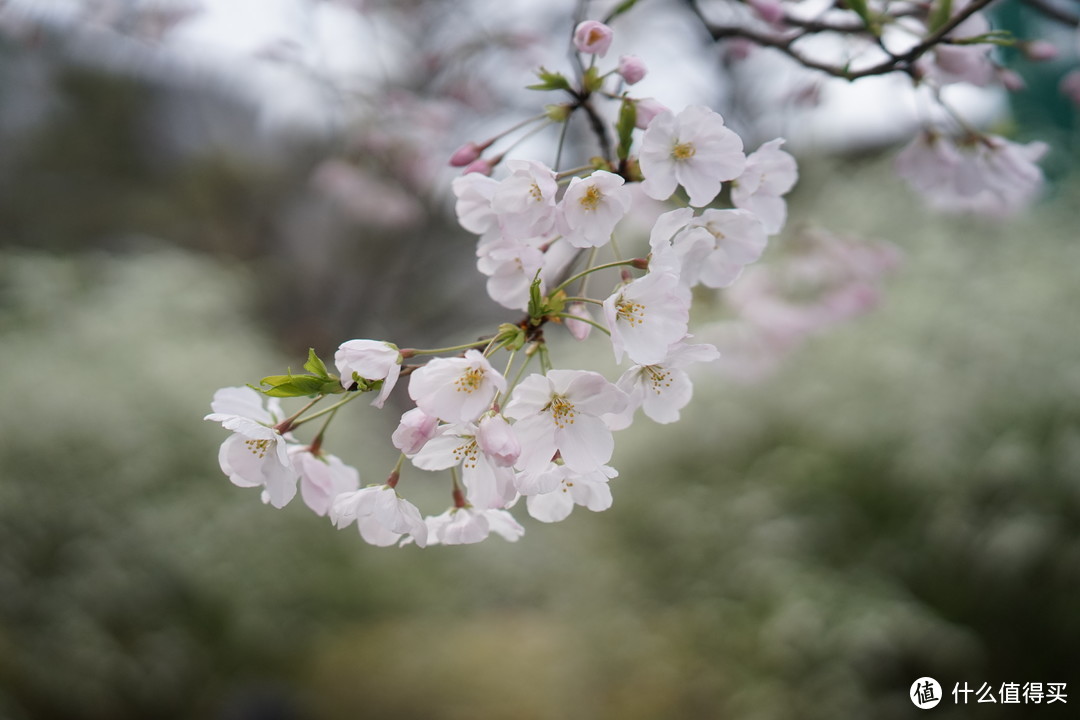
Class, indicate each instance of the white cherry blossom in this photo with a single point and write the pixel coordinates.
(369, 360)
(980, 174)
(562, 412)
(256, 454)
(456, 389)
(473, 207)
(663, 389)
(510, 266)
(488, 481)
(322, 478)
(525, 202)
(381, 516)
(647, 316)
(711, 248)
(590, 489)
(952, 63)
(591, 207)
(693, 149)
(467, 525)
(770, 174)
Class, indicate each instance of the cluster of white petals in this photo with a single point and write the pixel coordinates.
(258, 455)
(980, 174)
(542, 440)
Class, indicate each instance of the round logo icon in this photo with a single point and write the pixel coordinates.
(925, 693)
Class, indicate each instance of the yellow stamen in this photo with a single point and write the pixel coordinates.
(258, 447)
(469, 381)
(562, 412)
(466, 453)
(591, 199)
(630, 311)
(659, 377)
(683, 151)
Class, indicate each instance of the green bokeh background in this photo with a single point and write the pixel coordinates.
(901, 498)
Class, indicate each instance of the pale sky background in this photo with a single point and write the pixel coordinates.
(276, 52)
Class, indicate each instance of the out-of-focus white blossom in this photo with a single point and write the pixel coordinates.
(769, 175)
(980, 174)
(381, 516)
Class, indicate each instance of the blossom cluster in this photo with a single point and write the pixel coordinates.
(954, 165)
(496, 415)
(537, 436)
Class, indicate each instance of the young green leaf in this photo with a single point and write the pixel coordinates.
(315, 366)
(624, 126)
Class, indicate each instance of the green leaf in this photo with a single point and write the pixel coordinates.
(862, 9)
(292, 385)
(556, 303)
(511, 336)
(619, 10)
(315, 366)
(593, 80)
(939, 14)
(1003, 38)
(536, 302)
(624, 126)
(549, 81)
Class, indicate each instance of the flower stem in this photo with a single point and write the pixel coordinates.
(596, 325)
(575, 171)
(410, 352)
(290, 422)
(588, 263)
(316, 444)
(583, 273)
(521, 371)
(562, 139)
(349, 398)
(593, 301)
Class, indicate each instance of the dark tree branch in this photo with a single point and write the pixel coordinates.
(903, 62)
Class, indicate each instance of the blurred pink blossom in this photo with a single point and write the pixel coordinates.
(593, 37)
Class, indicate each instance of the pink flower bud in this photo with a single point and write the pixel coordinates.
(482, 166)
(1011, 81)
(771, 11)
(497, 440)
(647, 109)
(1070, 87)
(414, 430)
(631, 68)
(592, 37)
(466, 154)
(1040, 50)
(580, 330)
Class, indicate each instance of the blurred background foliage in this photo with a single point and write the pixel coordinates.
(900, 498)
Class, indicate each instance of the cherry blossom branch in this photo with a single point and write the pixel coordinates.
(640, 263)
(903, 62)
(410, 352)
(348, 398)
(595, 324)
